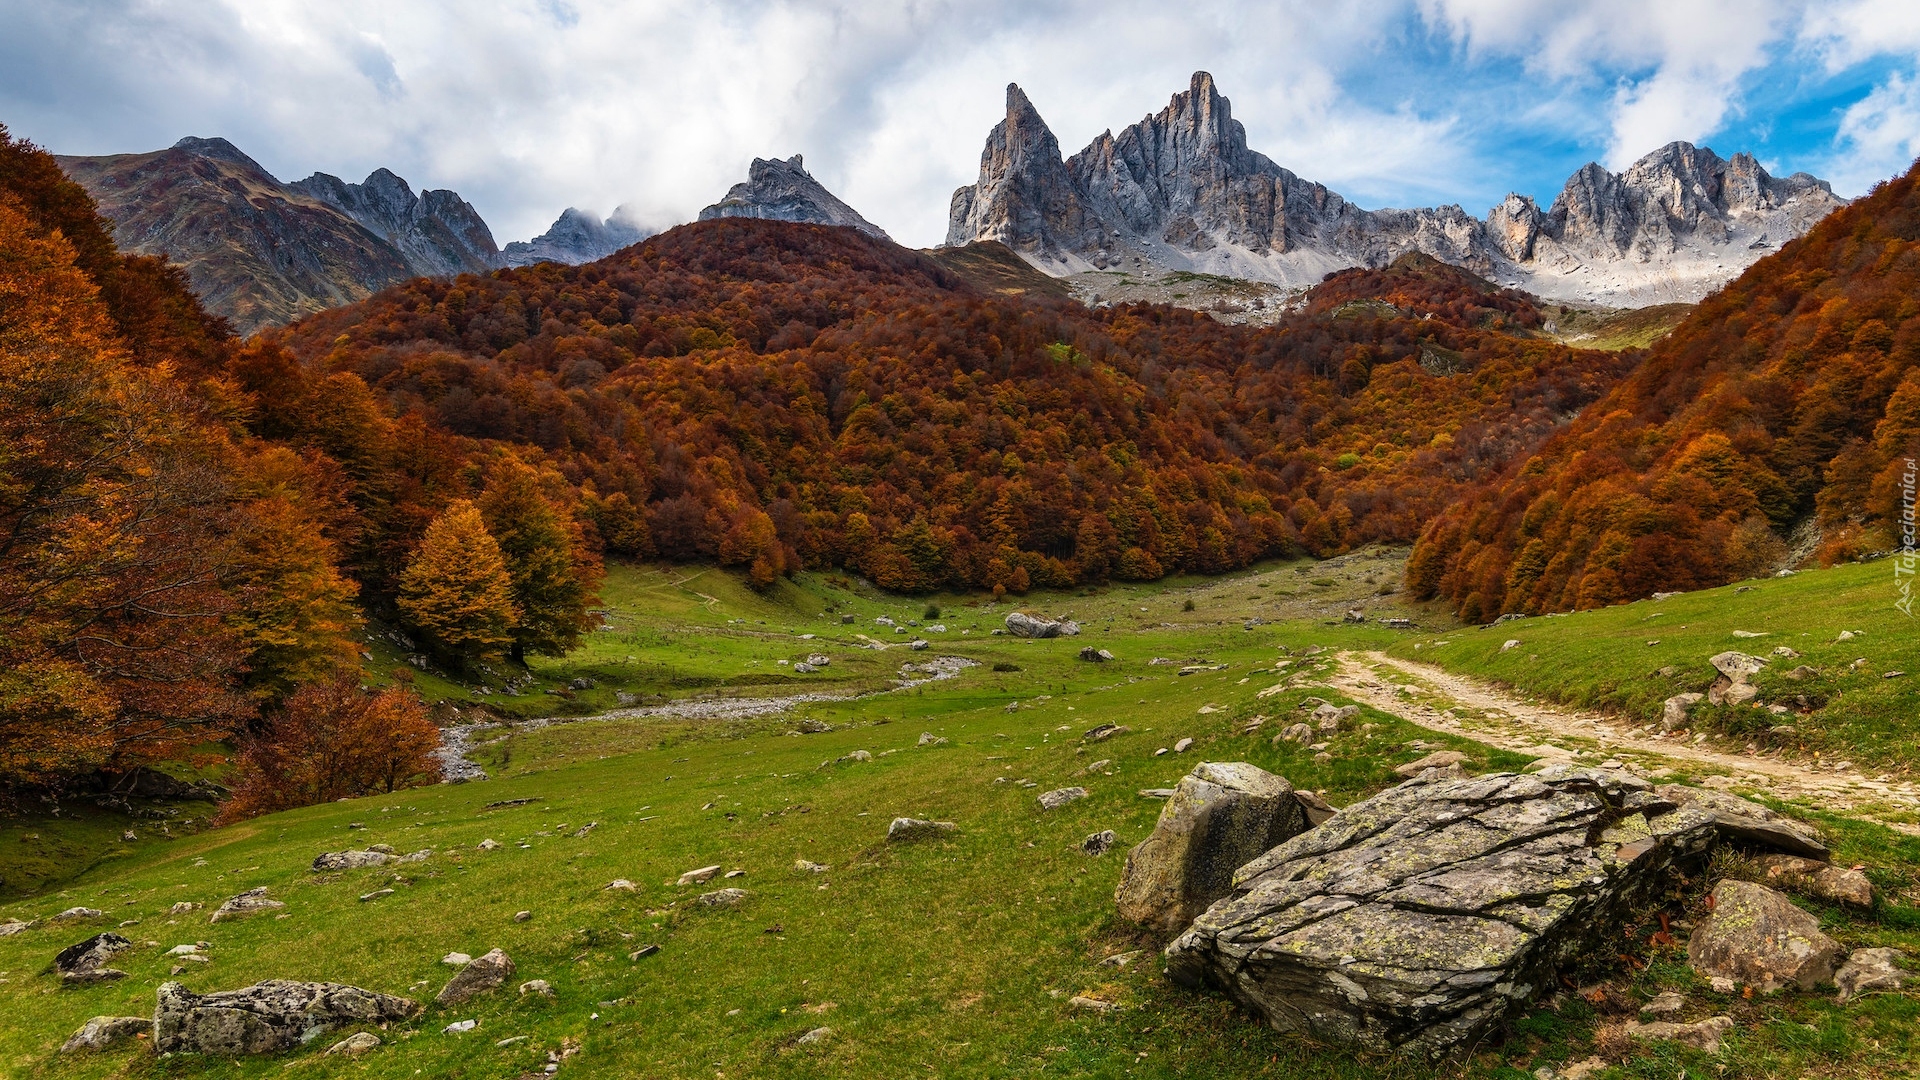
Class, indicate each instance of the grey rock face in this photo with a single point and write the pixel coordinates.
(438, 233)
(1221, 816)
(1054, 800)
(1824, 881)
(87, 961)
(1756, 936)
(906, 830)
(102, 1032)
(724, 898)
(1749, 823)
(786, 191)
(352, 860)
(247, 904)
(1419, 918)
(482, 974)
(1704, 1036)
(1181, 190)
(576, 237)
(1868, 970)
(1021, 624)
(265, 1018)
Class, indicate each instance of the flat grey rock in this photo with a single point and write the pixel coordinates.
(1422, 917)
(267, 1017)
(480, 976)
(102, 1032)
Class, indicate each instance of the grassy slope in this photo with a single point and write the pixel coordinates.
(1612, 659)
(951, 958)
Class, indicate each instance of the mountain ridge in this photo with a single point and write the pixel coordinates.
(1181, 190)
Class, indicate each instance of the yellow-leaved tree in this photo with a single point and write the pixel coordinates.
(456, 590)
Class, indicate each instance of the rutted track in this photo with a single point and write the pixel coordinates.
(1513, 723)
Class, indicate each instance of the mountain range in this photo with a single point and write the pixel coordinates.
(1181, 190)
(1178, 193)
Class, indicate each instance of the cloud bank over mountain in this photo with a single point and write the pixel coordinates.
(529, 106)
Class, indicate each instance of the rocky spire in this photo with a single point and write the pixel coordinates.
(1025, 196)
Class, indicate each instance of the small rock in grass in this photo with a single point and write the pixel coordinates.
(1867, 970)
(456, 959)
(375, 895)
(1665, 1003)
(1182, 746)
(459, 1026)
(1704, 1036)
(522, 916)
(76, 914)
(928, 738)
(488, 845)
(906, 829)
(810, 867)
(701, 875)
(1823, 881)
(1102, 732)
(476, 978)
(358, 1043)
(102, 1032)
(622, 885)
(1090, 1004)
(1120, 960)
(1757, 936)
(247, 904)
(724, 897)
(87, 961)
(536, 986)
(642, 951)
(1099, 843)
(815, 1037)
(736, 873)
(1296, 733)
(1439, 759)
(1053, 800)
(1155, 793)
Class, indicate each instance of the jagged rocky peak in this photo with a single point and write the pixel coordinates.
(1182, 190)
(437, 231)
(576, 237)
(786, 191)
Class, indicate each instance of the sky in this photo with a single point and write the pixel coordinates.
(526, 107)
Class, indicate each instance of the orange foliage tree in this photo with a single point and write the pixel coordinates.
(457, 590)
(331, 740)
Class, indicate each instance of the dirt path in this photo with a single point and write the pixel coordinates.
(1512, 723)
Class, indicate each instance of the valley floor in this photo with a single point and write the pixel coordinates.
(959, 957)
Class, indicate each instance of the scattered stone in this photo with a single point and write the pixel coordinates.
(1221, 815)
(1182, 746)
(1893, 675)
(700, 876)
(1510, 643)
(246, 905)
(1313, 806)
(1054, 800)
(928, 738)
(488, 845)
(905, 829)
(484, 974)
(804, 668)
(17, 926)
(1020, 624)
(643, 951)
(810, 867)
(456, 959)
(522, 916)
(736, 873)
(1868, 970)
(1421, 918)
(1785, 653)
(1439, 759)
(815, 1037)
(1748, 634)
(76, 914)
(1821, 880)
(1100, 766)
(1801, 672)
(536, 986)
(1105, 731)
(1665, 1003)
(375, 895)
(102, 1032)
(1099, 843)
(1095, 656)
(917, 645)
(1299, 733)
(459, 1027)
(1756, 936)
(1155, 793)
(1747, 822)
(811, 726)
(1704, 1036)
(858, 755)
(267, 1017)
(1673, 713)
(621, 885)
(86, 962)
(358, 1043)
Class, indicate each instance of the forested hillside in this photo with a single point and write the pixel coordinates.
(1790, 395)
(772, 395)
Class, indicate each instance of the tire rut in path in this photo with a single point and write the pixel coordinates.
(1524, 726)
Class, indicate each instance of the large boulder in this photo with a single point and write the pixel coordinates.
(267, 1017)
(87, 961)
(1021, 624)
(478, 977)
(1222, 815)
(1748, 823)
(1419, 918)
(1756, 936)
(352, 860)
(246, 905)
